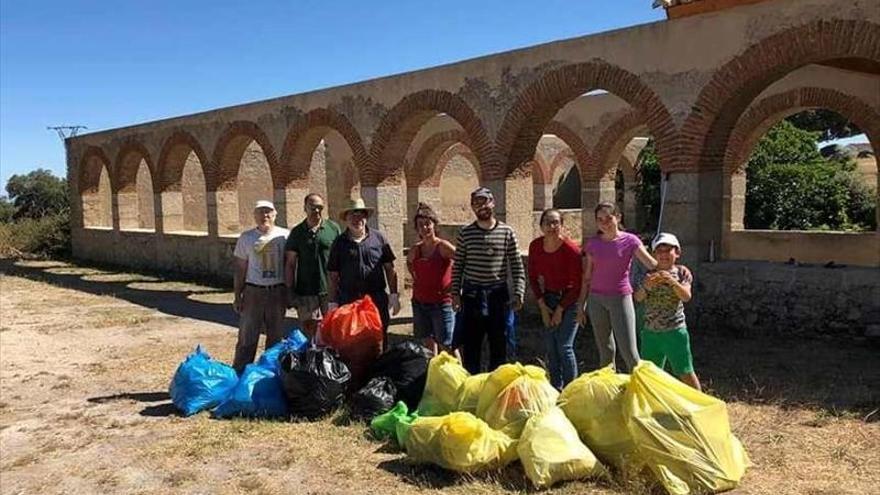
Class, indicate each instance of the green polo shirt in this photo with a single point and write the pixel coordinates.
(312, 248)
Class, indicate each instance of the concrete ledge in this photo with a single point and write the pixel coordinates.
(850, 248)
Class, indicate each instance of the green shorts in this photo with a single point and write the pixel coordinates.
(673, 345)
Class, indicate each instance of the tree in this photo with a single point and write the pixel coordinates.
(7, 210)
(830, 125)
(37, 194)
(648, 172)
(790, 185)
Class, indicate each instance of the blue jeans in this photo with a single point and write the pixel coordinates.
(436, 321)
(559, 342)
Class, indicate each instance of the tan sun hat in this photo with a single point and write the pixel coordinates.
(355, 205)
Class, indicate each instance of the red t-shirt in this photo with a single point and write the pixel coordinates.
(559, 271)
(433, 277)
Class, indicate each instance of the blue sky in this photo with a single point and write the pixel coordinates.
(108, 64)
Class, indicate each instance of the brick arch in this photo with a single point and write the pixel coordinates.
(89, 175)
(173, 157)
(540, 169)
(126, 168)
(229, 150)
(583, 158)
(303, 138)
(400, 125)
(613, 141)
(426, 163)
(765, 113)
(539, 102)
(706, 131)
(458, 148)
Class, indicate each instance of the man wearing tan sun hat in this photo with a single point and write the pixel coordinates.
(260, 293)
(362, 263)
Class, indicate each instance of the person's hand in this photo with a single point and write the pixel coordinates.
(517, 303)
(456, 302)
(557, 316)
(580, 317)
(651, 281)
(237, 304)
(665, 278)
(545, 315)
(331, 306)
(394, 303)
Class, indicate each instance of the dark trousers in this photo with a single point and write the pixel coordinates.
(484, 316)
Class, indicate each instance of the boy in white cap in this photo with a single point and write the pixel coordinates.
(260, 293)
(664, 292)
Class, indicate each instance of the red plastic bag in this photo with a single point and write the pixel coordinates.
(355, 331)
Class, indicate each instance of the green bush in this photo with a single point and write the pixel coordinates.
(45, 236)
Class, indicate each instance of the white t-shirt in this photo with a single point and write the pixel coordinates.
(264, 254)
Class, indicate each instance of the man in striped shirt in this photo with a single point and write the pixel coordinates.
(485, 254)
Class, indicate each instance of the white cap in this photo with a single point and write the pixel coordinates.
(264, 204)
(665, 238)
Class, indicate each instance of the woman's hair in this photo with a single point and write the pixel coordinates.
(549, 211)
(424, 210)
(606, 205)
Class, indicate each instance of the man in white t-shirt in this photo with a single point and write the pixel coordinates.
(260, 293)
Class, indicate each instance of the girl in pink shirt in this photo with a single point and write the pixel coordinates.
(606, 288)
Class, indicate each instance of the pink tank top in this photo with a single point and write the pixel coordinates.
(433, 277)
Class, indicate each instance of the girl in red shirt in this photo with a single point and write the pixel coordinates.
(555, 276)
(430, 263)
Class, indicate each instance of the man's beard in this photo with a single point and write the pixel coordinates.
(484, 214)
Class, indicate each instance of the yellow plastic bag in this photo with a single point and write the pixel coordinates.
(523, 398)
(550, 450)
(458, 441)
(594, 404)
(445, 377)
(683, 435)
(469, 393)
(499, 379)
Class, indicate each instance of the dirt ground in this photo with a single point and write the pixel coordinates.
(86, 356)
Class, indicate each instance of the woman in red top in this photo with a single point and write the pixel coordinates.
(555, 276)
(430, 263)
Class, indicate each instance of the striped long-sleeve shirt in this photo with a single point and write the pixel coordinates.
(484, 257)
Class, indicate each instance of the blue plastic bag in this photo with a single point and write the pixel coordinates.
(295, 341)
(201, 383)
(258, 394)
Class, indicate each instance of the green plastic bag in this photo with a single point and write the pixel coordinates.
(386, 425)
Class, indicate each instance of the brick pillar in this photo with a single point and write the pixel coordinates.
(630, 205)
(158, 221)
(289, 205)
(593, 192)
(543, 195)
(733, 206)
(170, 210)
(227, 215)
(127, 210)
(389, 215)
(693, 212)
(513, 204)
(212, 213)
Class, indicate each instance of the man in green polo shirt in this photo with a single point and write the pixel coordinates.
(307, 250)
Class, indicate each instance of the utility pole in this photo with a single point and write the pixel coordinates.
(66, 131)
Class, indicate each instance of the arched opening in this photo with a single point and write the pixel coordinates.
(246, 172)
(184, 191)
(253, 183)
(566, 181)
(322, 154)
(134, 191)
(459, 176)
(95, 193)
(800, 169)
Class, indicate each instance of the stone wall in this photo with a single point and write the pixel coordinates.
(756, 298)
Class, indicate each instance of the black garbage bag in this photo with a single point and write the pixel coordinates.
(376, 397)
(314, 381)
(406, 364)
